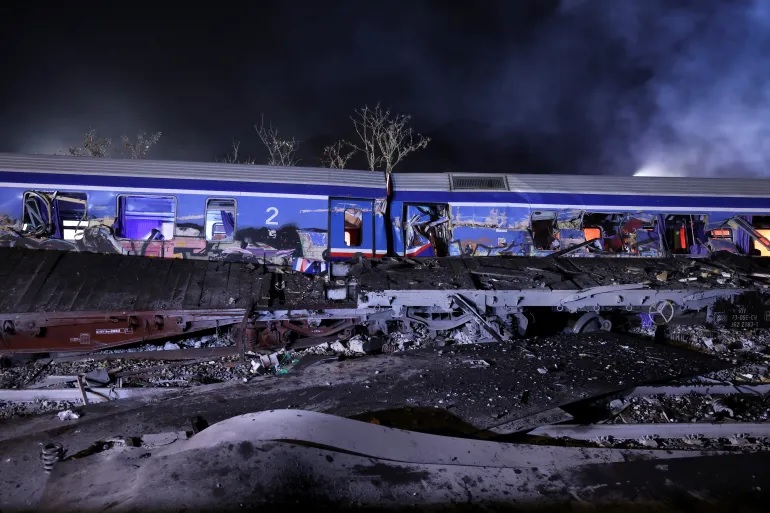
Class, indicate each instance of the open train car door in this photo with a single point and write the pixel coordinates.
(426, 230)
(351, 228)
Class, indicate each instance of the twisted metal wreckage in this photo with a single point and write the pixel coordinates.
(56, 301)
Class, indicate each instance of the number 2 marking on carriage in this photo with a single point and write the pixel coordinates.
(275, 214)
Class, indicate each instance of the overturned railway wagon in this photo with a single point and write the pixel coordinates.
(304, 218)
(58, 301)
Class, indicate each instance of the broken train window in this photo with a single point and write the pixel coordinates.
(220, 219)
(543, 227)
(353, 226)
(682, 232)
(59, 215)
(146, 217)
(427, 225)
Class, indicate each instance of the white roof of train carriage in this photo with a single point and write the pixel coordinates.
(585, 184)
(640, 185)
(62, 164)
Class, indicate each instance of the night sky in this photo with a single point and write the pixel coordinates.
(539, 86)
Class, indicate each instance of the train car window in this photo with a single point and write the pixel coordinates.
(607, 227)
(220, 219)
(353, 226)
(543, 226)
(146, 217)
(762, 225)
(684, 231)
(60, 215)
(637, 231)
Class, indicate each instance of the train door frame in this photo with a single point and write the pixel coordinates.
(540, 214)
(367, 203)
(689, 236)
(446, 211)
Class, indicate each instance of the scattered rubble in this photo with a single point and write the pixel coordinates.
(749, 350)
(68, 415)
(690, 408)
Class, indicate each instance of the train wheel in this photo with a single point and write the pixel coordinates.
(589, 322)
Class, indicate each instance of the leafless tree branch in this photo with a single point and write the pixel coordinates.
(337, 155)
(93, 146)
(397, 140)
(386, 138)
(282, 151)
(233, 157)
(141, 147)
(368, 123)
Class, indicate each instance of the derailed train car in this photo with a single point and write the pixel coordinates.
(540, 215)
(280, 216)
(305, 217)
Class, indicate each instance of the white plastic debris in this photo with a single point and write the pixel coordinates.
(337, 347)
(542, 370)
(356, 344)
(170, 346)
(478, 364)
(268, 361)
(67, 415)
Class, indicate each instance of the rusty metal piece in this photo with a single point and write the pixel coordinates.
(280, 333)
(250, 333)
(92, 331)
(240, 334)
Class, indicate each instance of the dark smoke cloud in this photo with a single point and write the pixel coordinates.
(571, 86)
(668, 87)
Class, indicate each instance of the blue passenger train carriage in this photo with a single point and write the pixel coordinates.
(304, 217)
(276, 215)
(577, 215)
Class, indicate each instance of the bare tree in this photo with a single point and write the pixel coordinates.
(93, 146)
(141, 147)
(368, 123)
(233, 157)
(337, 155)
(282, 151)
(386, 138)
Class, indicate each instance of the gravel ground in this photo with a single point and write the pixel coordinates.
(750, 351)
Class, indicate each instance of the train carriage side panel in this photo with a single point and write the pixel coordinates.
(156, 215)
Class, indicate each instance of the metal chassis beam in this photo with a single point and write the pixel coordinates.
(628, 297)
(92, 331)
